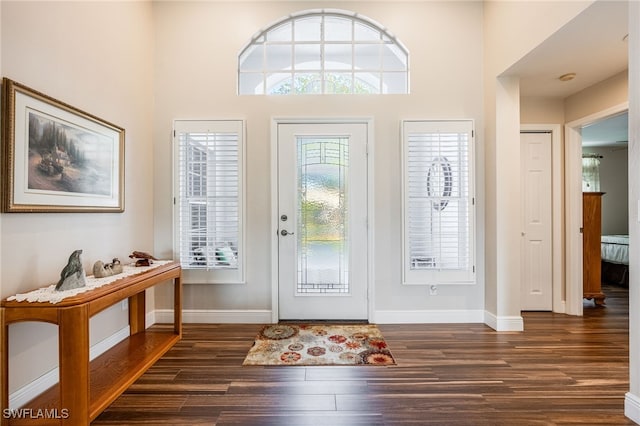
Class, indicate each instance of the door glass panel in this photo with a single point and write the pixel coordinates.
(322, 231)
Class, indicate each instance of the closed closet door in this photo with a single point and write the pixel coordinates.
(537, 257)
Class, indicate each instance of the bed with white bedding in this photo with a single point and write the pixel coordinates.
(614, 250)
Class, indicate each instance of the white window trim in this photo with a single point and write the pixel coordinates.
(212, 276)
(435, 277)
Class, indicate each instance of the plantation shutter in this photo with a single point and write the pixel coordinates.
(438, 202)
(209, 198)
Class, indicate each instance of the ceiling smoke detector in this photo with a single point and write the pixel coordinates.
(567, 77)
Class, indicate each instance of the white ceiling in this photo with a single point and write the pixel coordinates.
(612, 131)
(593, 45)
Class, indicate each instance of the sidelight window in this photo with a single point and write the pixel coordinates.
(209, 199)
(438, 202)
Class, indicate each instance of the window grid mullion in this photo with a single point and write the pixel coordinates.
(322, 56)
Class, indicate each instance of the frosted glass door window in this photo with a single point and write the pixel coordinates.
(323, 243)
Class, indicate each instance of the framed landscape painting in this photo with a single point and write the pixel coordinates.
(57, 158)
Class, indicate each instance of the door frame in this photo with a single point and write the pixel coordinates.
(557, 234)
(274, 224)
(573, 203)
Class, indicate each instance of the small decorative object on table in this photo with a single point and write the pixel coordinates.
(142, 258)
(101, 270)
(72, 276)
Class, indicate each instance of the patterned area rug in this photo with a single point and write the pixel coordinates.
(286, 344)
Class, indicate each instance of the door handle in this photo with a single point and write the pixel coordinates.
(284, 233)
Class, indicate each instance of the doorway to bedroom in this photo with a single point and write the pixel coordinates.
(605, 170)
(597, 163)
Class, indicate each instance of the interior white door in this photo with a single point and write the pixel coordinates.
(322, 221)
(537, 281)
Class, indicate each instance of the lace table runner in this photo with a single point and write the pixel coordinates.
(49, 294)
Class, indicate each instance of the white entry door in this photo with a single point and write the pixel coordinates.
(537, 281)
(322, 221)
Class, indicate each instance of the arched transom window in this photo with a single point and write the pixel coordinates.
(330, 52)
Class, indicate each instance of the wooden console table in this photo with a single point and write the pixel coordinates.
(86, 388)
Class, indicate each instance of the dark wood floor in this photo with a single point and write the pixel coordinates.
(561, 371)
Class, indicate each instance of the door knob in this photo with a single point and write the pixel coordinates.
(284, 233)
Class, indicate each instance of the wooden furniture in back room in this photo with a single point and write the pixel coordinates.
(592, 232)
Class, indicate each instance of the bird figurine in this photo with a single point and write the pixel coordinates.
(142, 258)
(72, 275)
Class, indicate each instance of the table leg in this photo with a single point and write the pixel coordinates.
(73, 332)
(177, 305)
(137, 313)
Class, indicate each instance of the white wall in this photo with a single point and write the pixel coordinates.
(614, 182)
(195, 77)
(511, 30)
(95, 56)
(541, 110)
(599, 97)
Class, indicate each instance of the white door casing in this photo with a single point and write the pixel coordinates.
(537, 259)
(573, 202)
(322, 237)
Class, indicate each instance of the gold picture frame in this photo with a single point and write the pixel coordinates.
(57, 158)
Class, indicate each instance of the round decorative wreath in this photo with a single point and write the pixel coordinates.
(440, 172)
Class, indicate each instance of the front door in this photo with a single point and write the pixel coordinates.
(322, 221)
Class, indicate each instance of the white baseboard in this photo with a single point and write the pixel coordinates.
(28, 392)
(103, 346)
(207, 316)
(514, 323)
(428, 317)
(150, 319)
(632, 407)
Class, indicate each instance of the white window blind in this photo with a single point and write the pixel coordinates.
(209, 199)
(438, 202)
